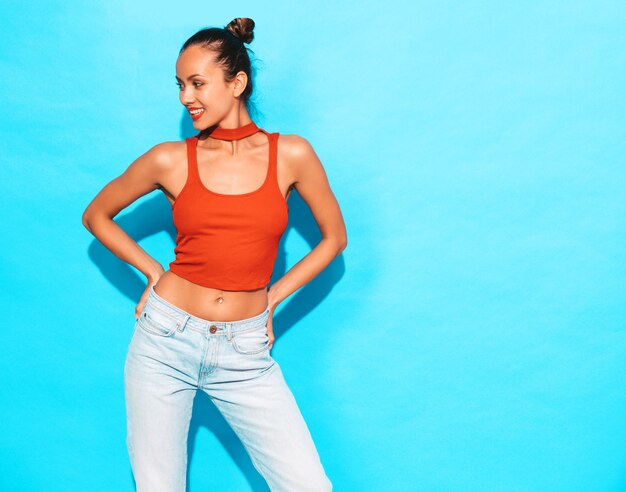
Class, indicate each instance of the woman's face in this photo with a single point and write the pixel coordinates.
(202, 87)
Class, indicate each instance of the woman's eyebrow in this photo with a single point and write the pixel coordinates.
(190, 77)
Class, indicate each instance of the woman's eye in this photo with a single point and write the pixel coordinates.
(196, 84)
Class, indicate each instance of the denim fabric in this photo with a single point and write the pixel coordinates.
(171, 355)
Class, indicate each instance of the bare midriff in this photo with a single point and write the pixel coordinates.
(208, 303)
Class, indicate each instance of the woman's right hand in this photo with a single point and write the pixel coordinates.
(144, 297)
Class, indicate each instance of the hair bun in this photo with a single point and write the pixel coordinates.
(242, 27)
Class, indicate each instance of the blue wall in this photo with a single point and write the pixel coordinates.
(472, 337)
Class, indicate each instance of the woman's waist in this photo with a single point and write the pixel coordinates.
(210, 303)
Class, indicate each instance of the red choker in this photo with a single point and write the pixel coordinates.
(235, 133)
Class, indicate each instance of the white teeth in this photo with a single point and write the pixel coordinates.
(196, 111)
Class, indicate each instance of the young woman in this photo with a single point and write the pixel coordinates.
(206, 323)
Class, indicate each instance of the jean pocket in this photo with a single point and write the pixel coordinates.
(157, 322)
(251, 341)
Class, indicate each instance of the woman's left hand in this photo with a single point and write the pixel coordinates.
(272, 306)
(270, 329)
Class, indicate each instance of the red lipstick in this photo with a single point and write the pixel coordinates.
(197, 115)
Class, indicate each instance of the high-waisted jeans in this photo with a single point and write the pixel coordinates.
(171, 355)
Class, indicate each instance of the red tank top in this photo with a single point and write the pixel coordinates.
(227, 241)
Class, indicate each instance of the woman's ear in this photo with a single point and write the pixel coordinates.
(241, 81)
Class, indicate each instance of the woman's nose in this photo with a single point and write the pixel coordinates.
(185, 97)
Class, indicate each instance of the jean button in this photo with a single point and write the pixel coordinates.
(213, 329)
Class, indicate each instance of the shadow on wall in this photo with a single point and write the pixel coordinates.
(153, 216)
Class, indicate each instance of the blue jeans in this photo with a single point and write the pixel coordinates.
(171, 355)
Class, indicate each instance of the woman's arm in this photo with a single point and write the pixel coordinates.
(311, 181)
(140, 178)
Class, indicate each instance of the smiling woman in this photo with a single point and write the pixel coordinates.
(210, 79)
(206, 322)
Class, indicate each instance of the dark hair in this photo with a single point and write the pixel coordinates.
(230, 52)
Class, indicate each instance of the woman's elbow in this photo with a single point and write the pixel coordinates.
(343, 242)
(85, 220)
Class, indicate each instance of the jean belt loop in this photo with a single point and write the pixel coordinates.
(228, 332)
(182, 324)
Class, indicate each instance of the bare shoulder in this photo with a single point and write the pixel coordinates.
(293, 146)
(165, 156)
(145, 174)
(311, 182)
(299, 157)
